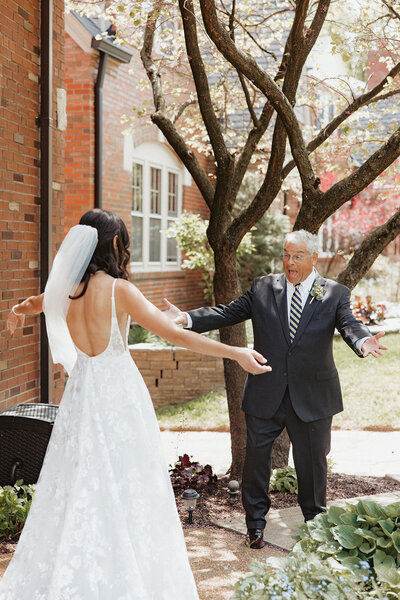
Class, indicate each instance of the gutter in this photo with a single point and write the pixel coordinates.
(106, 48)
(98, 131)
(46, 200)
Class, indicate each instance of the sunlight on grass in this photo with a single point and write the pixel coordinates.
(371, 393)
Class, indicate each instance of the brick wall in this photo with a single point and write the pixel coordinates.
(19, 188)
(175, 375)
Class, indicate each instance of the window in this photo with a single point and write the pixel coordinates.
(156, 202)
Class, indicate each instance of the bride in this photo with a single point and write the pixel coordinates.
(103, 524)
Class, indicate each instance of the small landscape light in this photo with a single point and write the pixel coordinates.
(190, 498)
(233, 489)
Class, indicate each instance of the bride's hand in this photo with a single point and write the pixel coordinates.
(252, 361)
(174, 313)
(14, 321)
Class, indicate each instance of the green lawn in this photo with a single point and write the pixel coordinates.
(371, 391)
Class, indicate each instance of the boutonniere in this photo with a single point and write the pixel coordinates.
(317, 292)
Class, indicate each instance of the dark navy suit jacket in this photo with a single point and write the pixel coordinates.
(306, 366)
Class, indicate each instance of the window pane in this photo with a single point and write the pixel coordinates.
(137, 187)
(155, 191)
(155, 240)
(137, 239)
(172, 194)
(172, 247)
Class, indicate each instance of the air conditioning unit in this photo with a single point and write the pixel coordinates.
(25, 431)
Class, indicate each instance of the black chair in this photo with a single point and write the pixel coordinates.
(25, 431)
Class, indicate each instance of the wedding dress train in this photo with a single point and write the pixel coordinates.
(103, 524)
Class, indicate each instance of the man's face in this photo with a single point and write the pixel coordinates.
(297, 262)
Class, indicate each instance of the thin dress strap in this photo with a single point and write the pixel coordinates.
(115, 338)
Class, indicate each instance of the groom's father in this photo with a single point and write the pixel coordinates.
(294, 317)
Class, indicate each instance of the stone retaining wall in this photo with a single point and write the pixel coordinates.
(174, 375)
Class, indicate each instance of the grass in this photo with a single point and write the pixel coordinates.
(371, 393)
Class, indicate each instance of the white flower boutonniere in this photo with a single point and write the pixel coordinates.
(317, 292)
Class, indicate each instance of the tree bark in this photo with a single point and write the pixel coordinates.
(227, 288)
(280, 451)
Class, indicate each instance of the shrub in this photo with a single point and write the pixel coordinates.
(283, 480)
(15, 502)
(350, 553)
(190, 474)
(299, 576)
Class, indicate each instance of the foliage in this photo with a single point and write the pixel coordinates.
(140, 335)
(189, 474)
(267, 236)
(364, 538)
(190, 232)
(298, 576)
(368, 312)
(283, 480)
(347, 553)
(15, 502)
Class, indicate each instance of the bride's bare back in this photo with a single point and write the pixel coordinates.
(89, 317)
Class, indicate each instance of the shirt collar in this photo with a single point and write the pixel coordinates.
(307, 283)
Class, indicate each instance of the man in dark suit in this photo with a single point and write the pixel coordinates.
(294, 316)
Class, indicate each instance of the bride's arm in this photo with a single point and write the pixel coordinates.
(132, 301)
(31, 306)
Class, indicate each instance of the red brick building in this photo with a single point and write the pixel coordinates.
(142, 178)
(31, 180)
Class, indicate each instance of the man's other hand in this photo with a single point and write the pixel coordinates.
(373, 346)
(174, 313)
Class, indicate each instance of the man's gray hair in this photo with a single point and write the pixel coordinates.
(303, 237)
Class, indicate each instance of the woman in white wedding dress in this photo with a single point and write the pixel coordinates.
(103, 524)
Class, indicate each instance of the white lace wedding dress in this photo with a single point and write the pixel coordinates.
(103, 524)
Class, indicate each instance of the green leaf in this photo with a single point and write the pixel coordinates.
(380, 558)
(396, 540)
(334, 513)
(387, 526)
(346, 536)
(388, 575)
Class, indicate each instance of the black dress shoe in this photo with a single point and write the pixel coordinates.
(255, 539)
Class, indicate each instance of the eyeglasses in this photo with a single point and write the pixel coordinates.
(296, 258)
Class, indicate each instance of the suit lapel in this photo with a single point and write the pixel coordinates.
(279, 287)
(309, 308)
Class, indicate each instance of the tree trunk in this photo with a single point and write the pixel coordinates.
(280, 451)
(226, 289)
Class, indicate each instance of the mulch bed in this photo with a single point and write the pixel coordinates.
(217, 505)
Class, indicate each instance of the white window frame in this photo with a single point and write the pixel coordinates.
(146, 155)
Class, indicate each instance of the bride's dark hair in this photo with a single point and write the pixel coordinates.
(104, 258)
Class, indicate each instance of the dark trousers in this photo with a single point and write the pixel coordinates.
(311, 444)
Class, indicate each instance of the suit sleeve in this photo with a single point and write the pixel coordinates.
(350, 328)
(215, 317)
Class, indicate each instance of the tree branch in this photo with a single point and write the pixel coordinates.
(165, 125)
(182, 109)
(345, 189)
(249, 67)
(363, 100)
(210, 120)
(370, 248)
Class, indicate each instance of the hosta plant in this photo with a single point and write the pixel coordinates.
(283, 480)
(364, 537)
(298, 576)
(15, 502)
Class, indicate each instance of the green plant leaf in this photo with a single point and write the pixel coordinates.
(346, 536)
(388, 575)
(396, 540)
(334, 514)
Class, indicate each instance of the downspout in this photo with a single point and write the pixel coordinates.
(46, 146)
(98, 135)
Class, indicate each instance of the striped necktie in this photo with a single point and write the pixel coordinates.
(295, 311)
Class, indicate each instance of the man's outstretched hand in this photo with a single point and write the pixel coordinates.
(175, 314)
(373, 346)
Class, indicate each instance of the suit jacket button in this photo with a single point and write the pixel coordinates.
(285, 374)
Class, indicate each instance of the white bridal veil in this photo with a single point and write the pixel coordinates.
(68, 268)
